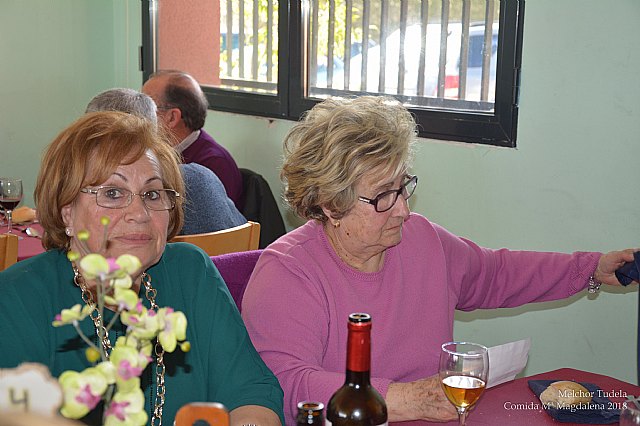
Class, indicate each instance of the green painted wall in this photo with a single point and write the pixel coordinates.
(54, 57)
(570, 185)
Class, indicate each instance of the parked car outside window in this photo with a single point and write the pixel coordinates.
(412, 46)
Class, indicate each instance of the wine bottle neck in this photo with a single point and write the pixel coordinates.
(359, 351)
(358, 378)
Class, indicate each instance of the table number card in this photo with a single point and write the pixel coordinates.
(29, 388)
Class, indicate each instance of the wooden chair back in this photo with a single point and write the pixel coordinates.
(9, 250)
(240, 238)
(202, 413)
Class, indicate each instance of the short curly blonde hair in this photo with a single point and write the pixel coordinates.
(335, 144)
(86, 153)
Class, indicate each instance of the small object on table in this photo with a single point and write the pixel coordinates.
(565, 393)
(32, 232)
(571, 402)
(10, 197)
(630, 271)
(193, 413)
(24, 214)
(310, 413)
(29, 388)
(463, 375)
(29, 246)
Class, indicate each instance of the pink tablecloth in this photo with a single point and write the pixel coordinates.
(27, 246)
(513, 403)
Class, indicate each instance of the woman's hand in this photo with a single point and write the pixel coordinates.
(609, 262)
(420, 400)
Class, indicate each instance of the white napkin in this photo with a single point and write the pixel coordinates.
(506, 361)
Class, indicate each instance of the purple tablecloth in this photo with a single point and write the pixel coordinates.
(514, 403)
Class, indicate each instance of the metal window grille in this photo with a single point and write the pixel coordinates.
(426, 52)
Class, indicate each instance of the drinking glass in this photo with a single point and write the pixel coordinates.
(10, 197)
(464, 367)
(630, 415)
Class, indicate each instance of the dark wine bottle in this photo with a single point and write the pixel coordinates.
(357, 402)
(310, 413)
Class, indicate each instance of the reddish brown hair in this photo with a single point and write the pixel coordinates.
(86, 153)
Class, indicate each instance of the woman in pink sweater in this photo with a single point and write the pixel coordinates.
(346, 170)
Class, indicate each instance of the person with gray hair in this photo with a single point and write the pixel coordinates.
(347, 171)
(124, 100)
(182, 107)
(207, 207)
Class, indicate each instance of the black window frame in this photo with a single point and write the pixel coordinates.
(498, 128)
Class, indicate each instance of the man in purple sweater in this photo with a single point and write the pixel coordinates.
(182, 107)
(346, 171)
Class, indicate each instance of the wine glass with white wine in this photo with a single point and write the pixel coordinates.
(10, 197)
(463, 373)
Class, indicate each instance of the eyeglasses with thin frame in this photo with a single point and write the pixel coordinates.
(385, 200)
(112, 197)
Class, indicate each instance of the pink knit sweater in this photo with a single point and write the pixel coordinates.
(300, 295)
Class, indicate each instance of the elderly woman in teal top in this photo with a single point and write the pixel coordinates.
(101, 155)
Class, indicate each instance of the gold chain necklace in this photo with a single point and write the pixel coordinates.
(103, 336)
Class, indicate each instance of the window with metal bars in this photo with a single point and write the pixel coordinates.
(454, 63)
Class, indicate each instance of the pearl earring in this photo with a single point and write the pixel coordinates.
(67, 231)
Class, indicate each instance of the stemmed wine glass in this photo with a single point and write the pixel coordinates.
(463, 373)
(630, 414)
(10, 197)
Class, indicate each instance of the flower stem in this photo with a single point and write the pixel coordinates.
(83, 336)
(114, 319)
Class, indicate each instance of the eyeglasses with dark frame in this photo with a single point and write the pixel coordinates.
(112, 197)
(386, 200)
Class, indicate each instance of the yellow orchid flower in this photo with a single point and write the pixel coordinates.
(124, 281)
(185, 346)
(129, 364)
(173, 328)
(129, 264)
(143, 324)
(144, 346)
(73, 315)
(108, 370)
(123, 298)
(73, 255)
(94, 265)
(126, 409)
(92, 354)
(82, 391)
